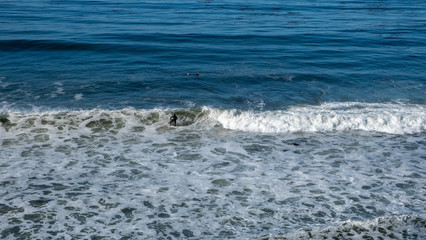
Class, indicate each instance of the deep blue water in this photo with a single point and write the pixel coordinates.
(307, 119)
(137, 54)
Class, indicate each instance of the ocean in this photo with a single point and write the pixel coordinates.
(296, 119)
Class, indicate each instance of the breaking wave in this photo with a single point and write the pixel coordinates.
(376, 117)
(328, 117)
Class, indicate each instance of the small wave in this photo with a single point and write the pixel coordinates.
(56, 45)
(395, 227)
(44, 45)
(328, 117)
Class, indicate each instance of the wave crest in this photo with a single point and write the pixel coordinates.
(328, 117)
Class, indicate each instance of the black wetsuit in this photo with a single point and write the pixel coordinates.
(173, 120)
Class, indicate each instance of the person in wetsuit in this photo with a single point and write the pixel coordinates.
(173, 120)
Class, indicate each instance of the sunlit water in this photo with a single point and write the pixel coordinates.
(306, 120)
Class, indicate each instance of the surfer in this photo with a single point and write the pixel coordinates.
(173, 120)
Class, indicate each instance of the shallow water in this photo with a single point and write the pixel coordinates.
(114, 174)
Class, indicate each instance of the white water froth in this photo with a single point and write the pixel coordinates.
(78, 96)
(328, 117)
(126, 174)
(391, 118)
(397, 227)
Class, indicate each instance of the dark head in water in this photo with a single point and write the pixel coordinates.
(194, 74)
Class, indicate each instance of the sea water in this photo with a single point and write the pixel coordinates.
(296, 119)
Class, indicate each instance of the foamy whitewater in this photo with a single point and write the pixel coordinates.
(296, 119)
(127, 174)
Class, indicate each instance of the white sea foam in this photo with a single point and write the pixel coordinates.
(396, 227)
(78, 96)
(59, 90)
(328, 117)
(126, 173)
